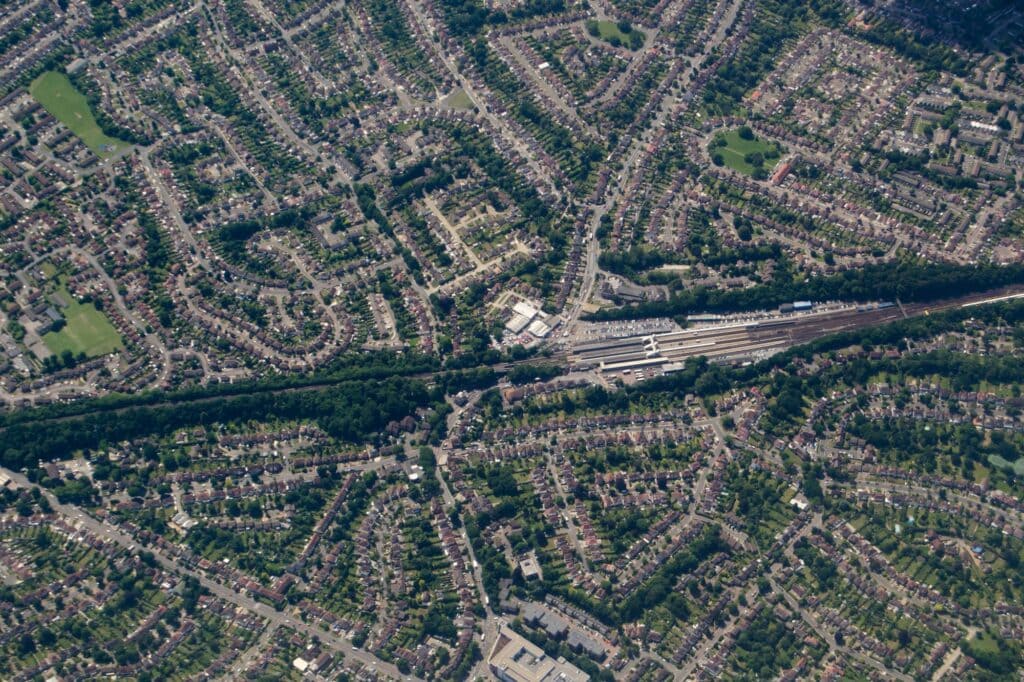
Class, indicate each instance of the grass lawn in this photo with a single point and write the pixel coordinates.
(58, 96)
(609, 32)
(736, 148)
(1017, 467)
(459, 100)
(984, 641)
(87, 331)
(980, 472)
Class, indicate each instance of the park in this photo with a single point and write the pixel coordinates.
(742, 151)
(58, 96)
(617, 33)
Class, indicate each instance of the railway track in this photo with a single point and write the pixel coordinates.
(742, 339)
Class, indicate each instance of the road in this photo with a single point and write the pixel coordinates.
(159, 355)
(490, 623)
(76, 516)
(500, 126)
(634, 153)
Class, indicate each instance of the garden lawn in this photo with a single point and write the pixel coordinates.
(58, 96)
(87, 331)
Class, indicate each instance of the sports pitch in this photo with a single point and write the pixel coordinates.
(58, 96)
(87, 331)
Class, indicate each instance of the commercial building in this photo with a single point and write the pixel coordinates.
(514, 659)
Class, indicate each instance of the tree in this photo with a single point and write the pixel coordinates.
(755, 159)
(26, 644)
(994, 653)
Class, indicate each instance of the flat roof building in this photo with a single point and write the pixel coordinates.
(517, 324)
(539, 328)
(530, 568)
(522, 315)
(514, 659)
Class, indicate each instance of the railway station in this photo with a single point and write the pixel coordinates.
(733, 338)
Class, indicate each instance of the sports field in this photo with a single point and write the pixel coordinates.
(58, 96)
(87, 331)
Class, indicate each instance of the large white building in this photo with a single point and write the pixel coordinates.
(514, 659)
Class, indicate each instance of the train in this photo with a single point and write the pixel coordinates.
(796, 306)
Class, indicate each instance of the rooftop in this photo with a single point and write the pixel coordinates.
(514, 659)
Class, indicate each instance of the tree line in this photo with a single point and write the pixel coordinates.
(351, 411)
(907, 281)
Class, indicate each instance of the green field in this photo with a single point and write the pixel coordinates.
(1017, 467)
(87, 331)
(985, 642)
(609, 31)
(736, 149)
(58, 96)
(459, 100)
